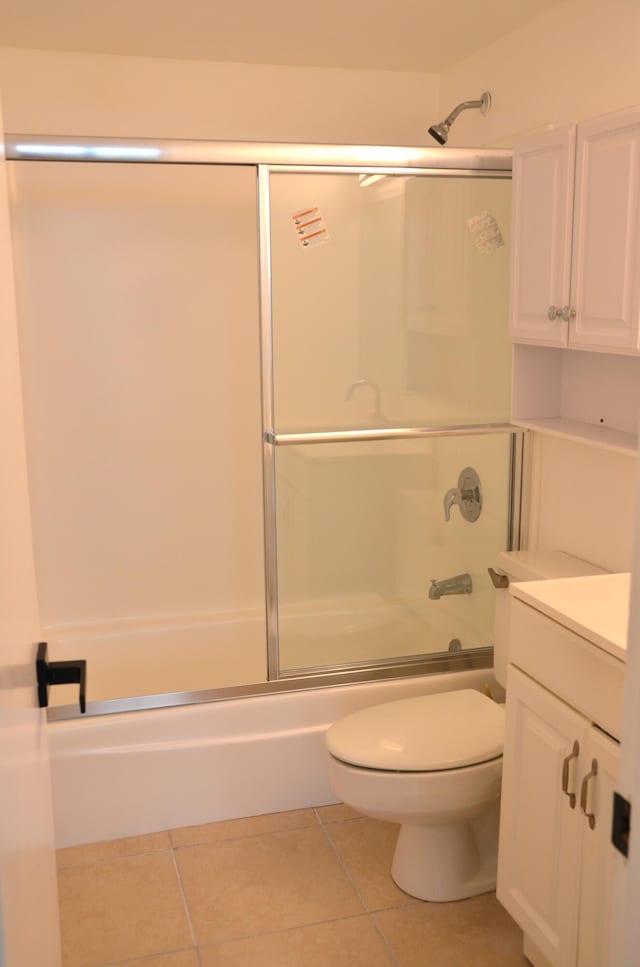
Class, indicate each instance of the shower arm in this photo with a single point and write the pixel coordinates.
(464, 106)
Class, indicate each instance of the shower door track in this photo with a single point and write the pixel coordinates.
(265, 158)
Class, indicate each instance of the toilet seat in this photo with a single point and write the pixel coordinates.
(429, 733)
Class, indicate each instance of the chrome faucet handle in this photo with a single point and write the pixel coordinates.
(453, 496)
(467, 495)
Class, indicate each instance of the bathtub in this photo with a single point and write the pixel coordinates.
(141, 772)
(189, 652)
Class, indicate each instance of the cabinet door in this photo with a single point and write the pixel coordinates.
(539, 855)
(598, 854)
(606, 236)
(543, 170)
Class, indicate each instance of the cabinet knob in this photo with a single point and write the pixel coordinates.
(567, 313)
(554, 312)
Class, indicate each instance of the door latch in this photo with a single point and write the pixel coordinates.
(59, 673)
(621, 826)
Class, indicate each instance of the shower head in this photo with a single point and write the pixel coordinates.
(441, 131)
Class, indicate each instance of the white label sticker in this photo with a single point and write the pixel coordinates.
(310, 227)
(485, 232)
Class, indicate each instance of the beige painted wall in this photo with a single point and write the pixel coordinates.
(66, 93)
(576, 61)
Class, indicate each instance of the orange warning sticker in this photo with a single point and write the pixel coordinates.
(310, 227)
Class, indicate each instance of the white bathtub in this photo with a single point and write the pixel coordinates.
(189, 652)
(140, 772)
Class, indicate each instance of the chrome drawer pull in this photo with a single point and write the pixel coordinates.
(584, 789)
(575, 752)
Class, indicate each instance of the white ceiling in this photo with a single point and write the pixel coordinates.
(412, 35)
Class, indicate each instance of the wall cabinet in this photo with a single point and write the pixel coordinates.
(556, 861)
(575, 280)
(576, 251)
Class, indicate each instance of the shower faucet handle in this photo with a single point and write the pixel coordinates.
(59, 673)
(467, 495)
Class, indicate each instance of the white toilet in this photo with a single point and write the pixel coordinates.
(434, 763)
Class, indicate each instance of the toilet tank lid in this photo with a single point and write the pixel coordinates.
(424, 734)
(541, 565)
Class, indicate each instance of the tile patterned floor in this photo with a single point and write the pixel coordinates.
(308, 888)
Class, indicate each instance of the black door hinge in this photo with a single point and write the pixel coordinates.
(59, 673)
(621, 826)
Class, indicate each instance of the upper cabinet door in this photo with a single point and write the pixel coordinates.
(606, 246)
(543, 172)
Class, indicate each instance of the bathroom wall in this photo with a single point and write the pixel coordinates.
(146, 482)
(69, 93)
(578, 60)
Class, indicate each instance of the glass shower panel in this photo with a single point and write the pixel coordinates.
(395, 314)
(361, 535)
(138, 305)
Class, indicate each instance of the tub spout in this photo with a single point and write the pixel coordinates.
(459, 584)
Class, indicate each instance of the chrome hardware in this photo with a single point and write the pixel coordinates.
(467, 495)
(459, 584)
(566, 313)
(575, 752)
(499, 580)
(377, 414)
(584, 789)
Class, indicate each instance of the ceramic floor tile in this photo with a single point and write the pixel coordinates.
(366, 847)
(336, 813)
(341, 943)
(111, 850)
(476, 931)
(243, 887)
(185, 958)
(234, 828)
(117, 911)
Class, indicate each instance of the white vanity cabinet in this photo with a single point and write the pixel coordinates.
(564, 698)
(576, 238)
(555, 871)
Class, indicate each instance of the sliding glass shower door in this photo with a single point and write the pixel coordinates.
(389, 314)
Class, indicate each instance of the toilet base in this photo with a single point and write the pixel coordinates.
(447, 862)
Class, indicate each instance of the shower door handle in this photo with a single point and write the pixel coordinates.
(59, 673)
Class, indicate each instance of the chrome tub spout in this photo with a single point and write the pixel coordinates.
(459, 584)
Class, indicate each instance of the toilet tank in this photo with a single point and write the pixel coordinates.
(527, 566)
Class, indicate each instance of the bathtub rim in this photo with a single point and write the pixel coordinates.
(476, 659)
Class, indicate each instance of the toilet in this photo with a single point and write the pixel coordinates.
(433, 763)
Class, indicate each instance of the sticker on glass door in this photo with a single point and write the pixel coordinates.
(310, 227)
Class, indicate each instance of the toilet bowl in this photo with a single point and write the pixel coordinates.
(433, 764)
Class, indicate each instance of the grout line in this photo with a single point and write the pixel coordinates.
(387, 945)
(274, 933)
(149, 957)
(111, 859)
(184, 901)
(346, 869)
(369, 913)
(234, 839)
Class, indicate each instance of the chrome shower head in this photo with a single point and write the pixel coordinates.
(441, 131)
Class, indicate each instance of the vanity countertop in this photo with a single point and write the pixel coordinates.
(595, 607)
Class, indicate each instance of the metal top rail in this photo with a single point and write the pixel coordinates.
(388, 433)
(43, 147)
